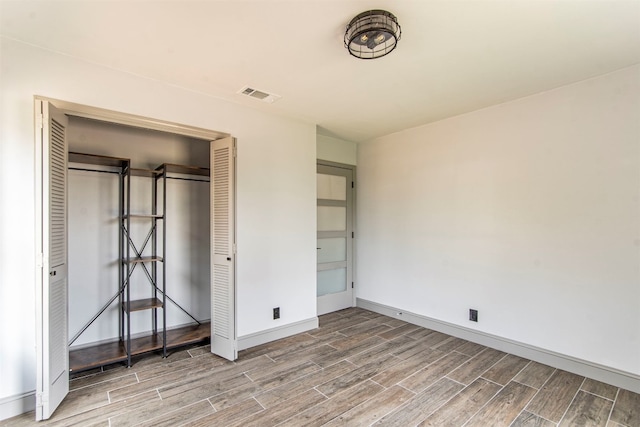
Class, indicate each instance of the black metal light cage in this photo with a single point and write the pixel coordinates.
(372, 34)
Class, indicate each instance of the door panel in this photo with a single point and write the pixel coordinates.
(332, 250)
(332, 281)
(334, 240)
(51, 244)
(331, 187)
(223, 295)
(332, 218)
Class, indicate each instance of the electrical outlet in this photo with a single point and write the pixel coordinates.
(473, 315)
(276, 313)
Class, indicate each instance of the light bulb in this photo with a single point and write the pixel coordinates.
(380, 38)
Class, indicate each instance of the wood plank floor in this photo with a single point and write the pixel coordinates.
(358, 369)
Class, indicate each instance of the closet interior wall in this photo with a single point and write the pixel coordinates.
(94, 229)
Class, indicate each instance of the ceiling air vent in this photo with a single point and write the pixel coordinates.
(258, 94)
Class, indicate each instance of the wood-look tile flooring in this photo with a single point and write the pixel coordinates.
(358, 369)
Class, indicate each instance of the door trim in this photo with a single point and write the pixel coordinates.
(110, 116)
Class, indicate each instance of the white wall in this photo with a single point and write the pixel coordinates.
(275, 184)
(336, 150)
(527, 211)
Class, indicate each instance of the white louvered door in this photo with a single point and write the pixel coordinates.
(51, 246)
(223, 295)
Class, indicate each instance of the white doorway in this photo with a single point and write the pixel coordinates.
(335, 236)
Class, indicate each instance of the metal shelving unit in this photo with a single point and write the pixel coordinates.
(132, 256)
(110, 165)
(148, 264)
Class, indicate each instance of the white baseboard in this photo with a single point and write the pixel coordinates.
(618, 378)
(19, 404)
(262, 337)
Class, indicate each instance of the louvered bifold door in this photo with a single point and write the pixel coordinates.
(51, 201)
(223, 295)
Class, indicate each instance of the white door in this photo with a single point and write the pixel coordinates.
(335, 238)
(52, 350)
(223, 295)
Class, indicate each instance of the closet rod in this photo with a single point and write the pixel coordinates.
(188, 179)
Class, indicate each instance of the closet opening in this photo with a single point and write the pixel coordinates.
(138, 228)
(113, 277)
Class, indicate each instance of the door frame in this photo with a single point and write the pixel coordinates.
(114, 117)
(354, 224)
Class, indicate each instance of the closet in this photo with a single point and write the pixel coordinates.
(139, 256)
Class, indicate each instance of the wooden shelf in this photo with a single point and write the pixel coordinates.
(143, 304)
(105, 354)
(185, 170)
(149, 173)
(94, 159)
(145, 259)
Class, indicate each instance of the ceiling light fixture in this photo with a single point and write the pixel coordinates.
(372, 34)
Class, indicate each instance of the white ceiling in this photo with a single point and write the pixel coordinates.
(455, 56)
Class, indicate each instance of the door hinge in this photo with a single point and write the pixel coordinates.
(40, 260)
(352, 185)
(235, 151)
(235, 248)
(40, 399)
(40, 121)
(353, 235)
(351, 285)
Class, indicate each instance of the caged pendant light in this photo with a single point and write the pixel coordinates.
(372, 34)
